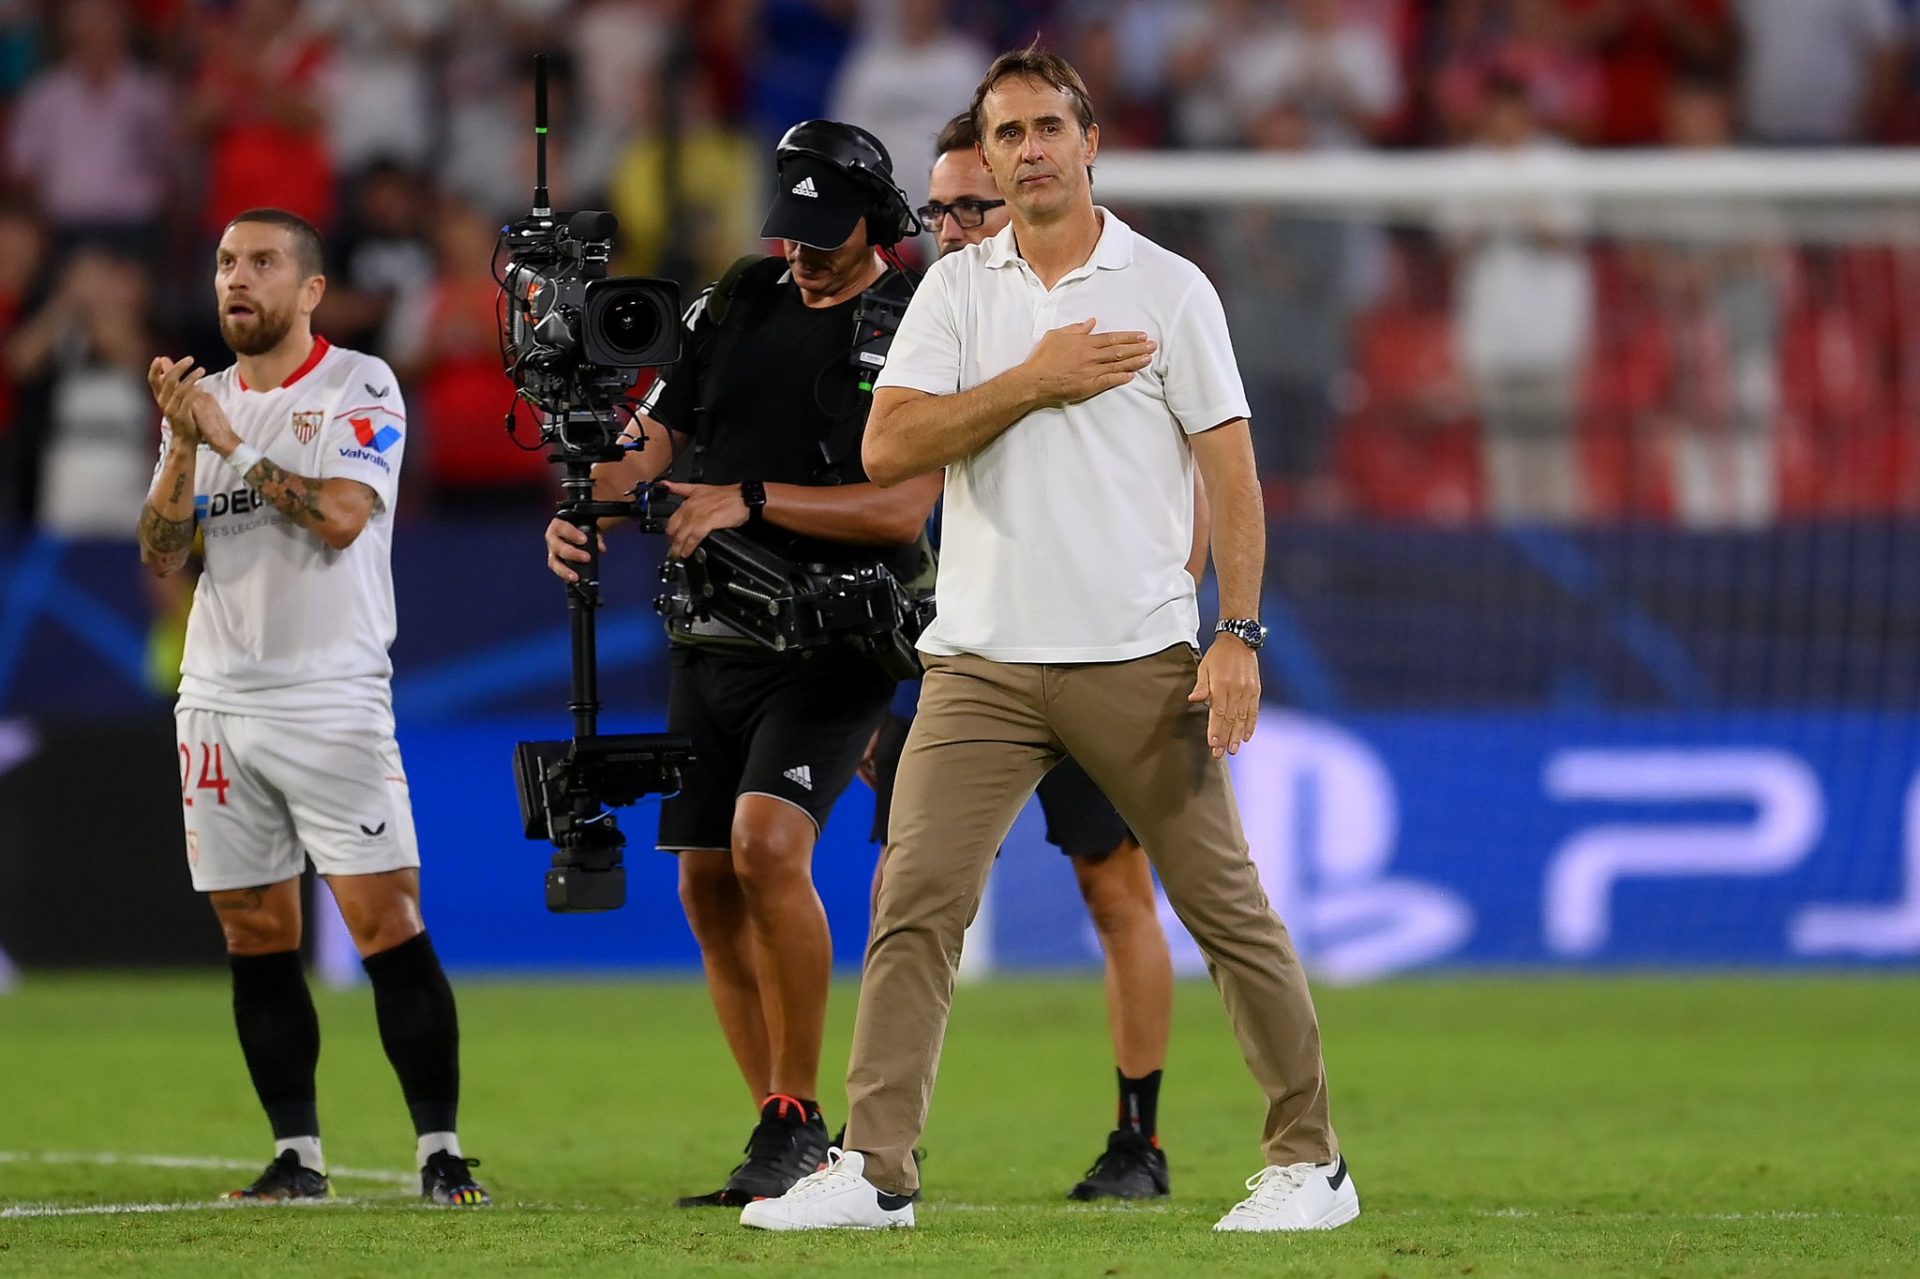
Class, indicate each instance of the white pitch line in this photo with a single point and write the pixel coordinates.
(1773, 1214)
(106, 1159)
(91, 1210)
(212, 1205)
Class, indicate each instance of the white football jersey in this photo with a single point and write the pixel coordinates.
(282, 624)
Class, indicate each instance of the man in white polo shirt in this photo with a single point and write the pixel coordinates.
(1069, 374)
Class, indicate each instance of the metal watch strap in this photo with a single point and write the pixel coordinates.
(1247, 630)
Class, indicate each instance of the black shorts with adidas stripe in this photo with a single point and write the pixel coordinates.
(793, 727)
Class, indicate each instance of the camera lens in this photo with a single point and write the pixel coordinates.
(631, 324)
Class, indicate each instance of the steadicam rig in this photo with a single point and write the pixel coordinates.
(574, 341)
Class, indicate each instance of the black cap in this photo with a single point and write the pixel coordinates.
(815, 203)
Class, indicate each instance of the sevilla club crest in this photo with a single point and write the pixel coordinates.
(307, 425)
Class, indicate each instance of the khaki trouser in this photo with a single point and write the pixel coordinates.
(985, 733)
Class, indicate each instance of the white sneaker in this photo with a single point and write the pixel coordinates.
(1297, 1197)
(838, 1197)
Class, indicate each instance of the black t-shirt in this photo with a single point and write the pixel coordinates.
(787, 408)
(383, 265)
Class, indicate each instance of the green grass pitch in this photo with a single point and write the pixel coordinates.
(1632, 1127)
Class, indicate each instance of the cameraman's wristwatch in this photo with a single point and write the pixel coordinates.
(1245, 629)
(754, 494)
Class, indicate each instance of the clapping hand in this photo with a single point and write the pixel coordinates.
(175, 385)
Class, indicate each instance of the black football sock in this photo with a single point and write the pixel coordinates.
(420, 1030)
(1140, 1104)
(280, 1038)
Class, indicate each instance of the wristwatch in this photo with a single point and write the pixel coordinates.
(754, 494)
(1245, 629)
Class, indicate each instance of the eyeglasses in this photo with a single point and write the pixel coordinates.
(969, 213)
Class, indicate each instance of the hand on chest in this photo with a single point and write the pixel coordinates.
(1006, 331)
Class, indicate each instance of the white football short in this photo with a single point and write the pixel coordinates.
(261, 795)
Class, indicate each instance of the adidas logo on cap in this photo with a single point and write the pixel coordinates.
(805, 187)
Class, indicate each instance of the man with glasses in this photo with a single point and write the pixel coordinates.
(964, 208)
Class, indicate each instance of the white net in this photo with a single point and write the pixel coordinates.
(1594, 572)
(1717, 339)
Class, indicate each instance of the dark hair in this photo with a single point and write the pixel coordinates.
(1699, 78)
(1507, 81)
(1033, 63)
(958, 134)
(308, 249)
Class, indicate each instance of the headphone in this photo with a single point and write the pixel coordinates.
(859, 155)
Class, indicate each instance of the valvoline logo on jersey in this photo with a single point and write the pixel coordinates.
(379, 441)
(372, 443)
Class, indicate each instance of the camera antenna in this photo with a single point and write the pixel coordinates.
(542, 202)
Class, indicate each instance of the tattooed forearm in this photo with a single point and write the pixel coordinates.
(296, 496)
(162, 536)
(165, 529)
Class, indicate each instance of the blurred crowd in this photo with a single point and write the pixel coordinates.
(1513, 366)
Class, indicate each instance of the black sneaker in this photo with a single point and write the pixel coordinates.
(446, 1181)
(286, 1179)
(1132, 1167)
(786, 1145)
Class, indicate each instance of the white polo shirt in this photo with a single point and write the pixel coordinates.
(1066, 538)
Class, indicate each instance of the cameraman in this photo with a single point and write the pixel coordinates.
(761, 424)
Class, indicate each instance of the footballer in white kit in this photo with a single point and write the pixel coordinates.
(285, 715)
(287, 465)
